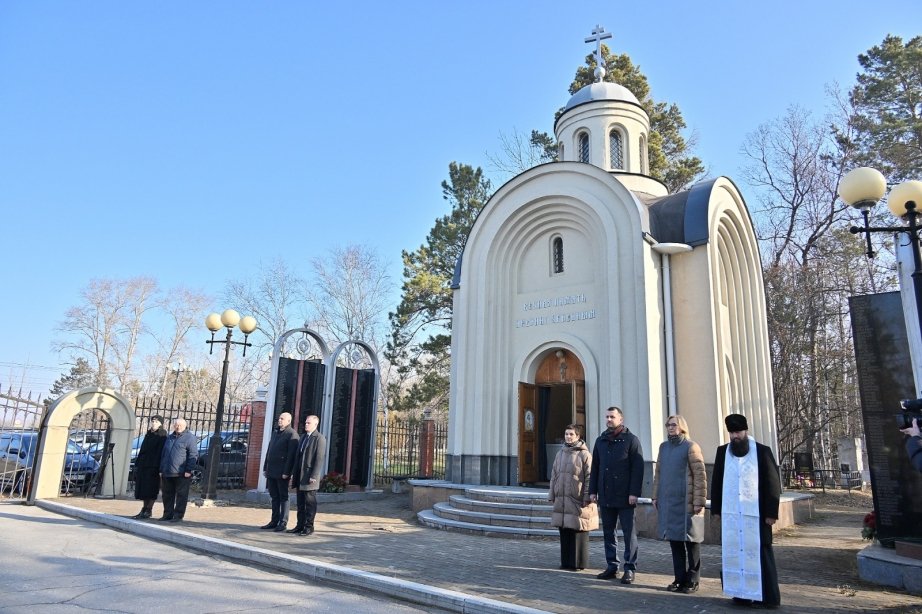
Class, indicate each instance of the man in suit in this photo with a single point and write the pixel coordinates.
(746, 494)
(278, 468)
(312, 451)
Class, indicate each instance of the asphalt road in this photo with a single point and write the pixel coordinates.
(51, 563)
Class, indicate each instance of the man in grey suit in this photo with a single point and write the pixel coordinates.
(279, 465)
(312, 450)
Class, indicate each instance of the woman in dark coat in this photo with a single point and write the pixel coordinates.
(679, 494)
(147, 466)
(573, 514)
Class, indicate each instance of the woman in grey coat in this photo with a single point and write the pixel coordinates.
(573, 514)
(679, 495)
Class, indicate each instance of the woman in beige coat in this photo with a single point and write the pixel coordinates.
(573, 514)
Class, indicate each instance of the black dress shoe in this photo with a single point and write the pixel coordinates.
(689, 587)
(628, 577)
(140, 515)
(280, 528)
(176, 519)
(674, 587)
(608, 574)
(295, 530)
(271, 525)
(165, 518)
(305, 532)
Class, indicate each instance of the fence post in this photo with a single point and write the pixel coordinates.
(255, 445)
(426, 444)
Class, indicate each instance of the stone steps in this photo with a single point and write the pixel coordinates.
(495, 511)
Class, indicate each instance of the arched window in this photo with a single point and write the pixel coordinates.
(643, 155)
(558, 255)
(584, 147)
(560, 153)
(615, 150)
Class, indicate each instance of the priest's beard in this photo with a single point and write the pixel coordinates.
(740, 447)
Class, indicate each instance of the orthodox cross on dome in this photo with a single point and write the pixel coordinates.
(598, 35)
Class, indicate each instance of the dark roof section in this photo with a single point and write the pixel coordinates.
(682, 217)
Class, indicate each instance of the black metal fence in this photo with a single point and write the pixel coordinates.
(200, 420)
(409, 449)
(20, 419)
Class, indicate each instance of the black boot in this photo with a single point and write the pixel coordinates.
(140, 515)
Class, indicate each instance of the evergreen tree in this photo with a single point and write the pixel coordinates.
(888, 108)
(80, 376)
(421, 326)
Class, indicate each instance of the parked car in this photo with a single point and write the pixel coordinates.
(17, 460)
(232, 464)
(88, 438)
(97, 450)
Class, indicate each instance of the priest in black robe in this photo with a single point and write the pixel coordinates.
(746, 494)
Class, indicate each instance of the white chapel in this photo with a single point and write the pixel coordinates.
(585, 284)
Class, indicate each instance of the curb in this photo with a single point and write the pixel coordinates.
(412, 592)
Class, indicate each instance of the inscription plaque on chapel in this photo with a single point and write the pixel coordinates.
(884, 378)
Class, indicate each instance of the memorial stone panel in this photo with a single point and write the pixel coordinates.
(884, 378)
(351, 424)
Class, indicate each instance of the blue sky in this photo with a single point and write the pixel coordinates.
(135, 136)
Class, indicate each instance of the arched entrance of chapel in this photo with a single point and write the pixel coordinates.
(555, 398)
(49, 462)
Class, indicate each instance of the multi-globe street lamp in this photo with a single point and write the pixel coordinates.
(229, 319)
(863, 188)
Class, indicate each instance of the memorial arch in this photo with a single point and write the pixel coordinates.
(49, 462)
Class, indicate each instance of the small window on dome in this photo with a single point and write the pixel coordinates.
(615, 150)
(558, 255)
(584, 147)
(643, 155)
(560, 153)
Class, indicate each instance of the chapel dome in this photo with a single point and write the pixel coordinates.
(602, 90)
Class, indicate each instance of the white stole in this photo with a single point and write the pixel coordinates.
(739, 526)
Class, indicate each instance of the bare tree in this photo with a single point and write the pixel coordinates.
(520, 152)
(811, 266)
(274, 298)
(106, 326)
(349, 295)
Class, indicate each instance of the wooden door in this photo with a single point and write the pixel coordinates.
(579, 405)
(528, 433)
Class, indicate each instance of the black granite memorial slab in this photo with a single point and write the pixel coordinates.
(884, 378)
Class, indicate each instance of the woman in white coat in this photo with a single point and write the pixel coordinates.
(573, 514)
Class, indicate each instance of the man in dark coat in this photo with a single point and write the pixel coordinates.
(180, 451)
(615, 483)
(279, 465)
(746, 494)
(312, 450)
(147, 466)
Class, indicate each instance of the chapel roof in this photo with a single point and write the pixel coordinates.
(601, 90)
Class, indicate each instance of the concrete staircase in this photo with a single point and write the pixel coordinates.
(495, 511)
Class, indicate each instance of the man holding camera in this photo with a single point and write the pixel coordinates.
(914, 444)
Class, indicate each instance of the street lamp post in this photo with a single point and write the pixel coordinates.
(864, 187)
(229, 319)
(176, 370)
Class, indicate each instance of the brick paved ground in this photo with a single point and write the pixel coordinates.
(817, 564)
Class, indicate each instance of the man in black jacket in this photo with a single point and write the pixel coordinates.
(280, 462)
(615, 483)
(746, 494)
